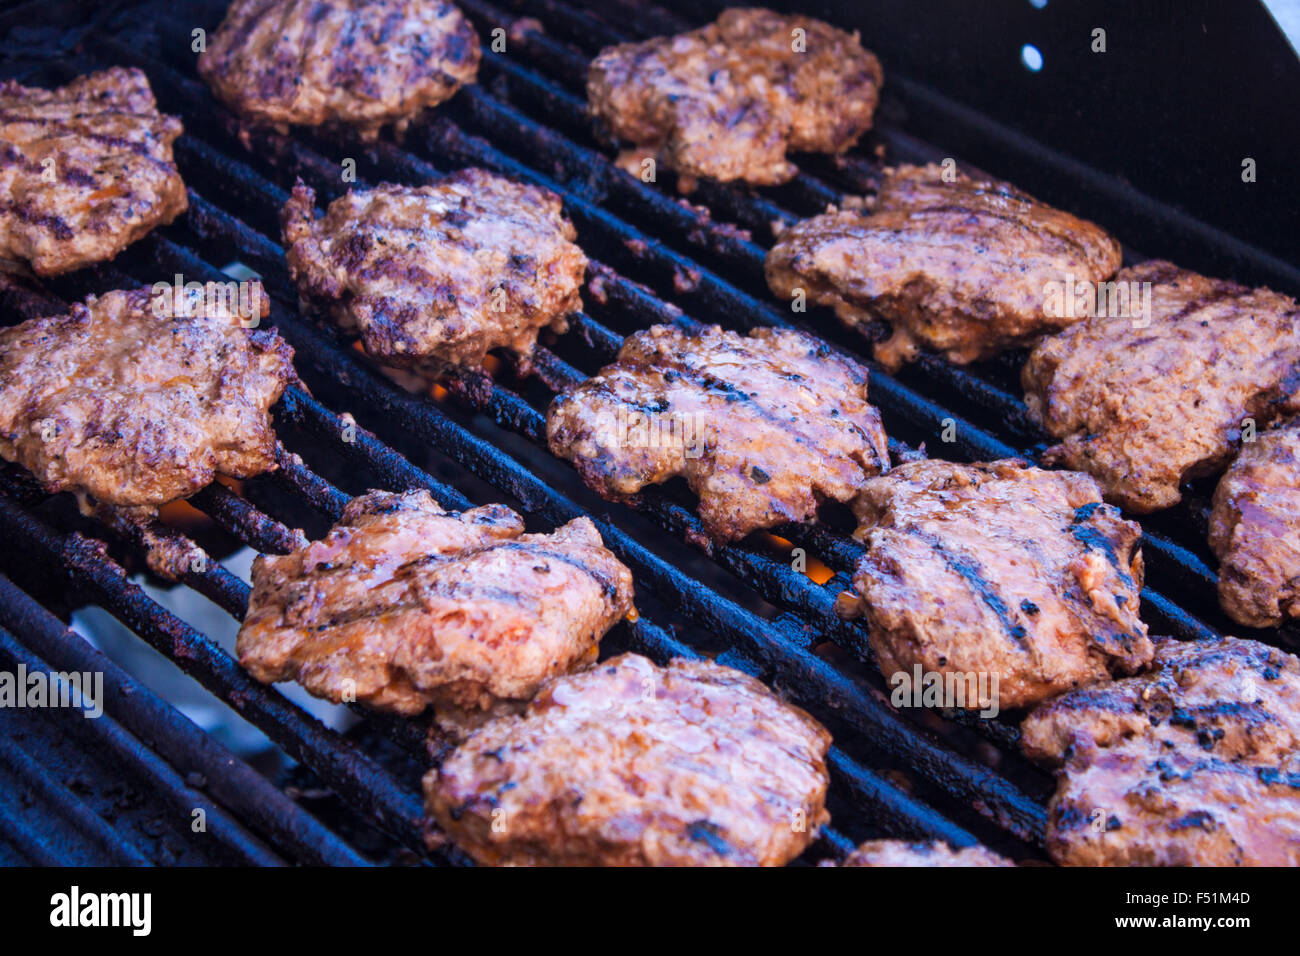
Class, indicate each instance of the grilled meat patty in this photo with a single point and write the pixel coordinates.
(1255, 529)
(729, 100)
(763, 427)
(630, 764)
(405, 605)
(1196, 763)
(1145, 403)
(903, 853)
(85, 170)
(132, 402)
(435, 276)
(999, 569)
(363, 63)
(964, 267)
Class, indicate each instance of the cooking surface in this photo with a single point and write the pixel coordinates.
(655, 258)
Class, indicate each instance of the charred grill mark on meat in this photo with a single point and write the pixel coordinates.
(406, 605)
(959, 266)
(1181, 763)
(729, 100)
(978, 569)
(1090, 537)
(85, 170)
(778, 423)
(631, 764)
(1145, 405)
(971, 573)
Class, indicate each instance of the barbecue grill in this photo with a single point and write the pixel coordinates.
(127, 788)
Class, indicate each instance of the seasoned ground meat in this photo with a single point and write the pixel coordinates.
(362, 63)
(85, 170)
(1143, 404)
(729, 100)
(763, 426)
(1196, 763)
(435, 276)
(1255, 529)
(631, 764)
(405, 604)
(965, 267)
(999, 570)
(132, 403)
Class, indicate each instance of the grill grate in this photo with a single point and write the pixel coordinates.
(958, 779)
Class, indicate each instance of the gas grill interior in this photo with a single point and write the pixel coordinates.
(125, 788)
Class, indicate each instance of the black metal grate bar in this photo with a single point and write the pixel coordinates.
(39, 840)
(176, 800)
(244, 521)
(173, 736)
(345, 768)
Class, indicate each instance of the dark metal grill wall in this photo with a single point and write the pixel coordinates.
(123, 789)
(1185, 90)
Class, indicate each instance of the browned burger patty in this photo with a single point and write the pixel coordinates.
(729, 100)
(763, 427)
(902, 853)
(630, 764)
(1255, 529)
(405, 605)
(1196, 763)
(364, 63)
(85, 170)
(1145, 403)
(1003, 570)
(962, 267)
(136, 407)
(435, 276)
